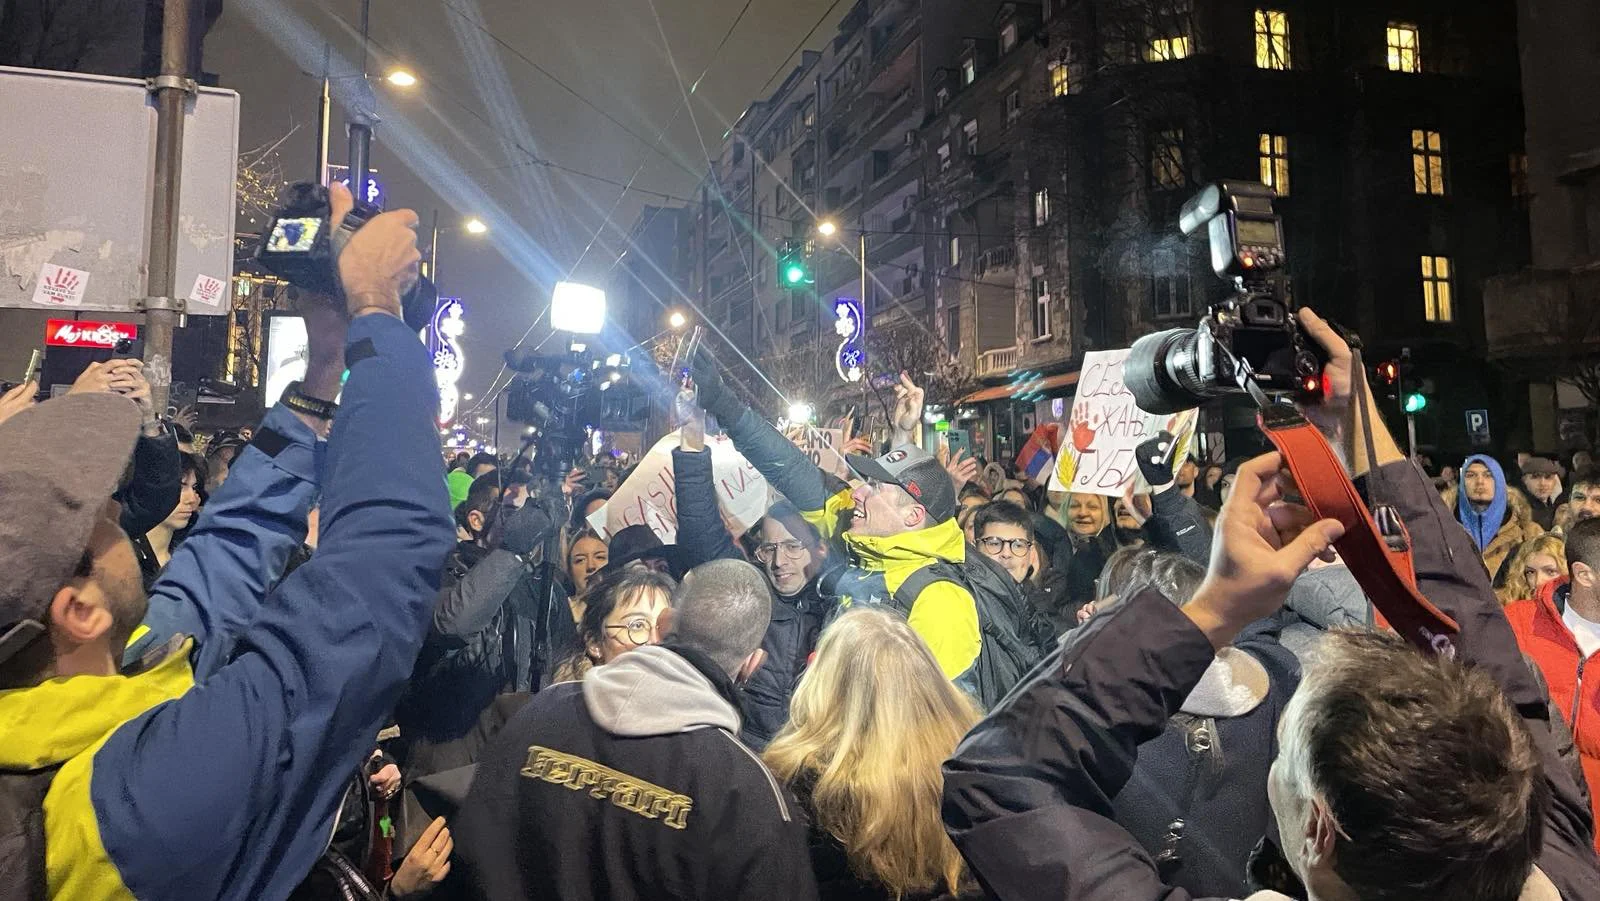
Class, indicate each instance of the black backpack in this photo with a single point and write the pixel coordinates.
(1015, 636)
(22, 876)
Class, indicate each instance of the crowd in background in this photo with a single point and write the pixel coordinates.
(313, 660)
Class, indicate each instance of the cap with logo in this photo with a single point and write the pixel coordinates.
(1541, 466)
(915, 470)
(59, 463)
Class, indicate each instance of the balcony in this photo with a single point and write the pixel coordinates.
(997, 362)
(995, 259)
(1543, 314)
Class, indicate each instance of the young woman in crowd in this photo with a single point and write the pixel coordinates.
(620, 612)
(586, 556)
(154, 548)
(871, 722)
(1536, 562)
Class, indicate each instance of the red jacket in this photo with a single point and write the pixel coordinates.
(1575, 692)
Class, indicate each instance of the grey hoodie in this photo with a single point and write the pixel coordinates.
(653, 691)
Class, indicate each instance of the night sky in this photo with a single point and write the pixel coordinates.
(451, 143)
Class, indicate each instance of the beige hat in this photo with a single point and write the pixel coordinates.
(59, 463)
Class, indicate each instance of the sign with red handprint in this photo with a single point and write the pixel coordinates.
(59, 286)
(1104, 429)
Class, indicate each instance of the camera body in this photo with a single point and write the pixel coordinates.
(556, 395)
(301, 247)
(1251, 336)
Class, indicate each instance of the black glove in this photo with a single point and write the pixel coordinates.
(523, 528)
(711, 392)
(1155, 459)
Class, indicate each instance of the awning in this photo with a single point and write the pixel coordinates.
(1019, 389)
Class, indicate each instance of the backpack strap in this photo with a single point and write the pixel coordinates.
(920, 579)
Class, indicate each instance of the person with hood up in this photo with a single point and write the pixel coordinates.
(632, 783)
(1495, 515)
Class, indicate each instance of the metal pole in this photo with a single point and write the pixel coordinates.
(1411, 435)
(360, 124)
(433, 251)
(324, 111)
(161, 308)
(497, 399)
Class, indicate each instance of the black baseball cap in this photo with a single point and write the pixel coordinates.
(915, 470)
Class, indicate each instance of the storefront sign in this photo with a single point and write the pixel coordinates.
(83, 333)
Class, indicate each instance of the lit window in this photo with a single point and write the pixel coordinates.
(1167, 48)
(969, 71)
(970, 131)
(1013, 106)
(1427, 162)
(1275, 163)
(955, 250)
(1041, 308)
(944, 157)
(1436, 304)
(1272, 39)
(1519, 175)
(1166, 159)
(940, 98)
(1059, 83)
(1405, 54)
(1041, 206)
(1008, 37)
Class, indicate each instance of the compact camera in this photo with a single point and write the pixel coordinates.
(301, 247)
(1251, 342)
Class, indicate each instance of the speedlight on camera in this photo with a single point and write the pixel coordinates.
(1250, 342)
(577, 308)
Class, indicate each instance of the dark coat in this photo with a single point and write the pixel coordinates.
(1027, 793)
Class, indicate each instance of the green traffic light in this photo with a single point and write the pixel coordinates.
(1416, 402)
(794, 274)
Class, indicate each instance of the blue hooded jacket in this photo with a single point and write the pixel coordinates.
(1483, 526)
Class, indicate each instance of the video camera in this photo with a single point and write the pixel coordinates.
(557, 395)
(1250, 342)
(300, 248)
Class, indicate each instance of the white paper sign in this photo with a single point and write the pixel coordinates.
(207, 290)
(59, 286)
(649, 497)
(1097, 450)
(822, 446)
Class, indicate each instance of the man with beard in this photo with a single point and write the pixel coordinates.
(216, 773)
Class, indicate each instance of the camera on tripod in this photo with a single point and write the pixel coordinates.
(300, 247)
(1250, 342)
(556, 395)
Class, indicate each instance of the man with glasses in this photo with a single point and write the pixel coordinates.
(1003, 531)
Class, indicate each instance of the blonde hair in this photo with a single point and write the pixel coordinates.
(870, 724)
(1517, 587)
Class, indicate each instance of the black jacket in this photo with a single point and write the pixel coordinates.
(796, 621)
(1027, 794)
(632, 785)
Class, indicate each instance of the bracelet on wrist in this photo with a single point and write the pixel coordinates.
(300, 402)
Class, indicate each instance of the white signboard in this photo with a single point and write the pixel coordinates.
(822, 446)
(1097, 450)
(649, 496)
(77, 172)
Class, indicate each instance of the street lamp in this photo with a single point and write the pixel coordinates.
(800, 412)
(828, 228)
(475, 226)
(677, 319)
(401, 78)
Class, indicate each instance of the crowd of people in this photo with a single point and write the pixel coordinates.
(319, 661)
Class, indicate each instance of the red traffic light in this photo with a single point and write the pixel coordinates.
(1389, 371)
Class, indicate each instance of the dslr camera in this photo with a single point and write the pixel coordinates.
(555, 394)
(301, 247)
(1248, 343)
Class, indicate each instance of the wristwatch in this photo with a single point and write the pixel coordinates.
(301, 402)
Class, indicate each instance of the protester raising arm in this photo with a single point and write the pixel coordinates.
(228, 791)
(701, 532)
(152, 492)
(1171, 519)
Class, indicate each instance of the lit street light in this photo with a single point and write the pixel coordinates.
(401, 78)
(475, 226)
(826, 228)
(800, 411)
(483, 420)
(677, 319)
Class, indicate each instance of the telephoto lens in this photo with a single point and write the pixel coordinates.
(1172, 371)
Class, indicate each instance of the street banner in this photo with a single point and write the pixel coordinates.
(649, 496)
(822, 446)
(1097, 452)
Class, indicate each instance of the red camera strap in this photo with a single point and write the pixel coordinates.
(1383, 569)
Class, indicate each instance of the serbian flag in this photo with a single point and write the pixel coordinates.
(1038, 455)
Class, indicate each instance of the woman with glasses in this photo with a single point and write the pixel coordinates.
(621, 611)
(872, 720)
(1004, 532)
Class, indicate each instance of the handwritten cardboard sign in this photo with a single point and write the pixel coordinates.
(649, 495)
(822, 446)
(1097, 451)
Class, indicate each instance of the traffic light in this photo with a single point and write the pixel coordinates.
(1388, 371)
(794, 268)
(1416, 402)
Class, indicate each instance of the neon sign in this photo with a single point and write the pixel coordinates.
(851, 326)
(442, 338)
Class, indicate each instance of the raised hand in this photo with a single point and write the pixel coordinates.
(379, 264)
(17, 399)
(908, 399)
(962, 469)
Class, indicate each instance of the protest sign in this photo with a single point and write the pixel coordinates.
(1097, 451)
(649, 497)
(822, 446)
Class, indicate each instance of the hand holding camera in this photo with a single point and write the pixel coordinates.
(379, 264)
